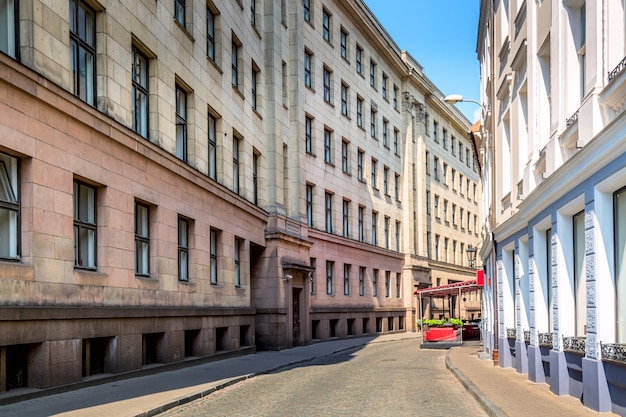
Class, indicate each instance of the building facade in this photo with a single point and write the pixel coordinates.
(554, 153)
(183, 178)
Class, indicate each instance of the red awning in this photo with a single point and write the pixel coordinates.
(450, 289)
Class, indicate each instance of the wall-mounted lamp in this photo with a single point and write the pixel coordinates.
(287, 277)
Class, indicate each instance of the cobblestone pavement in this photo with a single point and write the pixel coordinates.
(381, 379)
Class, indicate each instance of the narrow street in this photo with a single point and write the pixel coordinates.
(380, 379)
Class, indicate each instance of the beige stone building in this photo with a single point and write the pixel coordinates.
(184, 178)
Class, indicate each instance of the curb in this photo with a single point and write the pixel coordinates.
(491, 409)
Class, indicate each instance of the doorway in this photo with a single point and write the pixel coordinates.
(296, 315)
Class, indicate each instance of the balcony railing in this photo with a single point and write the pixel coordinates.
(574, 344)
(545, 339)
(617, 69)
(613, 352)
(510, 333)
(527, 336)
(572, 119)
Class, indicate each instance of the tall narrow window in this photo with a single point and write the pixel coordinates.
(213, 252)
(398, 236)
(327, 85)
(387, 283)
(372, 74)
(375, 283)
(361, 281)
(254, 85)
(396, 133)
(142, 239)
(548, 278)
(386, 231)
(395, 97)
(235, 50)
(582, 48)
(619, 199)
(307, 10)
(374, 228)
(210, 33)
(398, 280)
(396, 187)
(9, 208)
(253, 12)
(140, 93)
(345, 157)
(83, 51)
(328, 198)
(183, 249)
(373, 123)
(329, 277)
(255, 177)
(308, 134)
(374, 172)
(212, 142)
(326, 22)
(9, 35)
(237, 255)
(346, 218)
(344, 44)
(84, 226)
(284, 85)
(236, 169)
(359, 162)
(580, 288)
(328, 156)
(309, 205)
(435, 130)
(344, 99)
(179, 12)
(359, 111)
(359, 60)
(181, 124)
(308, 63)
(385, 133)
(386, 180)
(346, 279)
(361, 216)
(384, 85)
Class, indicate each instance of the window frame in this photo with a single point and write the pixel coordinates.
(85, 224)
(78, 44)
(142, 239)
(140, 88)
(182, 125)
(184, 228)
(10, 183)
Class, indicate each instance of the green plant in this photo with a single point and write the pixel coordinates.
(440, 322)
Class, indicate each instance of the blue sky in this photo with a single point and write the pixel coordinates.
(441, 36)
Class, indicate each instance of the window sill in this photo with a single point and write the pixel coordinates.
(184, 29)
(217, 67)
(16, 270)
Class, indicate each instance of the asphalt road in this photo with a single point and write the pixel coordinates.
(380, 379)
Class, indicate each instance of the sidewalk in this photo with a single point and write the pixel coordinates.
(504, 392)
(501, 392)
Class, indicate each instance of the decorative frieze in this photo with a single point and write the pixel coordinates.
(591, 344)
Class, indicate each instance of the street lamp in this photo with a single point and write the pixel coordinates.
(457, 98)
(471, 255)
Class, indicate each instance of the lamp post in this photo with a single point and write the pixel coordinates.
(471, 255)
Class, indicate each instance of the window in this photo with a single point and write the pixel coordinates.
(237, 249)
(328, 198)
(254, 85)
(582, 47)
(346, 218)
(435, 129)
(179, 12)
(460, 183)
(386, 231)
(444, 138)
(183, 249)
(436, 206)
(309, 205)
(375, 283)
(329, 276)
(83, 51)
(346, 279)
(253, 12)
(359, 60)
(467, 188)
(386, 180)
(427, 202)
(374, 172)
(453, 179)
(307, 10)
(344, 99)
(211, 40)
(344, 44)
(359, 163)
(396, 187)
(384, 86)
(619, 202)
(387, 283)
(436, 168)
(427, 164)
(395, 97)
(361, 281)
(84, 226)
(385, 133)
(255, 177)
(396, 132)
(312, 276)
(452, 143)
(359, 111)
(580, 287)
(445, 249)
(460, 152)
(436, 247)
(467, 157)
(142, 239)
(308, 139)
(461, 215)
(326, 22)
(236, 169)
(212, 142)
(9, 208)
(235, 52)
(374, 228)
(181, 124)
(428, 245)
(373, 123)
(361, 216)
(9, 38)
(140, 93)
(328, 156)
(398, 280)
(372, 74)
(328, 85)
(445, 210)
(398, 236)
(454, 214)
(445, 174)
(308, 63)
(345, 157)
(284, 84)
(213, 253)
